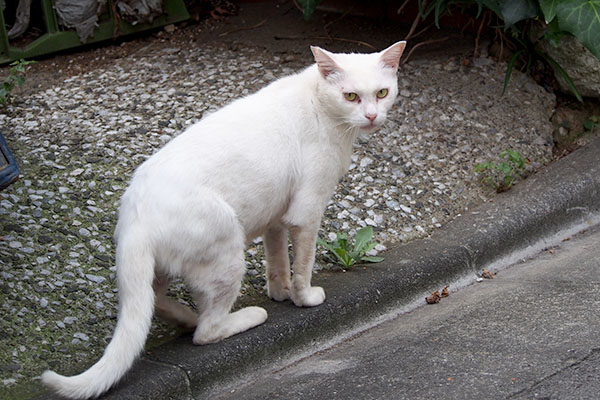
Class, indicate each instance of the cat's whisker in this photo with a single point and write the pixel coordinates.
(351, 129)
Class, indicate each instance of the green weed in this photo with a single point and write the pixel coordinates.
(592, 122)
(502, 175)
(16, 77)
(347, 255)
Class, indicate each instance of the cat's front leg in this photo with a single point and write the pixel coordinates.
(278, 263)
(304, 240)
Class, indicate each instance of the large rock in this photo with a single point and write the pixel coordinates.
(581, 65)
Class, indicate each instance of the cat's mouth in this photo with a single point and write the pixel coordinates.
(371, 126)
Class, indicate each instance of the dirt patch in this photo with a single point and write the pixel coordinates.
(276, 26)
(575, 125)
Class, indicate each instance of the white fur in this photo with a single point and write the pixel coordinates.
(265, 164)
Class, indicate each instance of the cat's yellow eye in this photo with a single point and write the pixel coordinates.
(351, 96)
(382, 93)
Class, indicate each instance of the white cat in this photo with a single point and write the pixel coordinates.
(265, 165)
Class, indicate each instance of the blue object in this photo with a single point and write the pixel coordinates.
(9, 171)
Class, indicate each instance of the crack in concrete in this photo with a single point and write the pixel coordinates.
(554, 374)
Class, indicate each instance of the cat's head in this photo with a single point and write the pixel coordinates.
(357, 90)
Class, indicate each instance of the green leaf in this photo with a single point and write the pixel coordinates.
(488, 180)
(514, 11)
(341, 250)
(509, 69)
(493, 5)
(373, 259)
(19, 80)
(331, 251)
(341, 254)
(308, 7)
(518, 159)
(481, 167)
(553, 34)
(422, 10)
(3, 96)
(440, 7)
(333, 260)
(363, 236)
(344, 257)
(589, 124)
(355, 255)
(513, 156)
(342, 241)
(548, 9)
(582, 19)
(530, 60)
(8, 84)
(505, 168)
(370, 246)
(479, 10)
(328, 246)
(508, 181)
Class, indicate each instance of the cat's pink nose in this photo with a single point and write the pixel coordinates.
(371, 117)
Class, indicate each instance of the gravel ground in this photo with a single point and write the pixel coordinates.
(78, 139)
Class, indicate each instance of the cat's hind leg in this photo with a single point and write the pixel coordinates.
(216, 289)
(278, 263)
(170, 310)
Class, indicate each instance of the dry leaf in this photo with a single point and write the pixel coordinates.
(445, 292)
(487, 274)
(434, 298)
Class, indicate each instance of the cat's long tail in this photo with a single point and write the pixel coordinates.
(135, 274)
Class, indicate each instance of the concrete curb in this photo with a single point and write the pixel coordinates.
(564, 194)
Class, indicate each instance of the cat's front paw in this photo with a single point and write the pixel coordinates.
(309, 297)
(278, 291)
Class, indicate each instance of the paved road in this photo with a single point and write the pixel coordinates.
(532, 332)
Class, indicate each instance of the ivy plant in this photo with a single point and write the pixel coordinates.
(581, 18)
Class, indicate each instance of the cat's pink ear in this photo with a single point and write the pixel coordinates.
(325, 62)
(390, 57)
